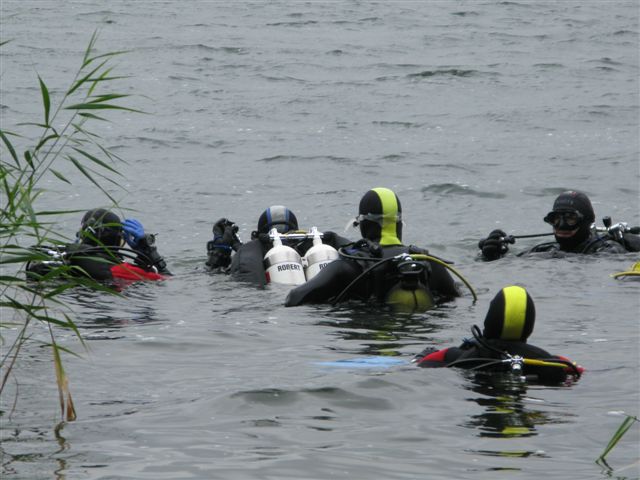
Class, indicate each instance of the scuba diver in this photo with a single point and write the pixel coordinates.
(502, 346)
(572, 219)
(250, 262)
(379, 266)
(99, 251)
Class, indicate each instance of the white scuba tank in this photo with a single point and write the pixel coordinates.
(318, 256)
(283, 264)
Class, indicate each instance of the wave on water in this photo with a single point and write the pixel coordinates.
(550, 192)
(207, 48)
(548, 65)
(300, 23)
(453, 72)
(337, 396)
(455, 189)
(385, 123)
(606, 61)
(315, 158)
(465, 14)
(284, 78)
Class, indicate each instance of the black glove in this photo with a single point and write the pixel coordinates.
(495, 245)
(224, 241)
(225, 234)
(148, 255)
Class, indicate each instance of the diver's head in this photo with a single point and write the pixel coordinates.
(100, 227)
(278, 217)
(571, 218)
(511, 315)
(380, 217)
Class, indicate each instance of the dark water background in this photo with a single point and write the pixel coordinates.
(476, 113)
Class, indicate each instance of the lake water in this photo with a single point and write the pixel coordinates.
(478, 114)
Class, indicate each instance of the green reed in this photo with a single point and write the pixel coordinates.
(619, 433)
(62, 134)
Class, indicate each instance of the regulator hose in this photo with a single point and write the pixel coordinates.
(61, 251)
(413, 256)
(540, 362)
(362, 275)
(421, 256)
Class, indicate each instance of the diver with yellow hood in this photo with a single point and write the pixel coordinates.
(379, 267)
(502, 345)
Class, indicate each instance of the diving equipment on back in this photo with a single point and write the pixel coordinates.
(282, 263)
(318, 256)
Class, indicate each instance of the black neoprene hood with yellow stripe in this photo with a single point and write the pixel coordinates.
(381, 221)
(511, 315)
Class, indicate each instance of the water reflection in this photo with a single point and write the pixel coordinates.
(508, 411)
(102, 310)
(382, 332)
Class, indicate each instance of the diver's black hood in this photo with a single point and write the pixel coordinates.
(511, 315)
(574, 201)
(100, 226)
(384, 225)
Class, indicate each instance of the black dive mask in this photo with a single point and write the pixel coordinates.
(565, 220)
(569, 221)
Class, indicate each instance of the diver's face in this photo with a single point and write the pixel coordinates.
(564, 233)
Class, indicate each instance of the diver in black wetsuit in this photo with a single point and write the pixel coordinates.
(378, 267)
(507, 326)
(572, 218)
(247, 262)
(99, 252)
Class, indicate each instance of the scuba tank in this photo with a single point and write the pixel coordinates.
(410, 294)
(318, 256)
(283, 264)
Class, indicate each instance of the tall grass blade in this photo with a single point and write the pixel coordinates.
(66, 402)
(624, 427)
(85, 79)
(9, 146)
(60, 176)
(97, 160)
(100, 106)
(87, 174)
(87, 52)
(91, 115)
(46, 101)
(42, 142)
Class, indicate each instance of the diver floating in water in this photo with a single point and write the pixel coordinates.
(278, 251)
(379, 267)
(502, 346)
(99, 251)
(572, 219)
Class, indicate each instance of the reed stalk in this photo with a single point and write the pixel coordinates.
(23, 304)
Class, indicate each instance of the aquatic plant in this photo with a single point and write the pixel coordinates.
(619, 433)
(61, 135)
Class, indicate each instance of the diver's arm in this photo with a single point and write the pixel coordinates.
(328, 283)
(610, 246)
(247, 263)
(441, 282)
(335, 240)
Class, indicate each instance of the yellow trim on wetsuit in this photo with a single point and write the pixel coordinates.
(515, 312)
(389, 233)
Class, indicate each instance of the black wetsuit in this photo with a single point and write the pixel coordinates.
(593, 244)
(472, 355)
(247, 264)
(339, 274)
(102, 263)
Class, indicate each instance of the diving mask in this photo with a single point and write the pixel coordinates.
(564, 220)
